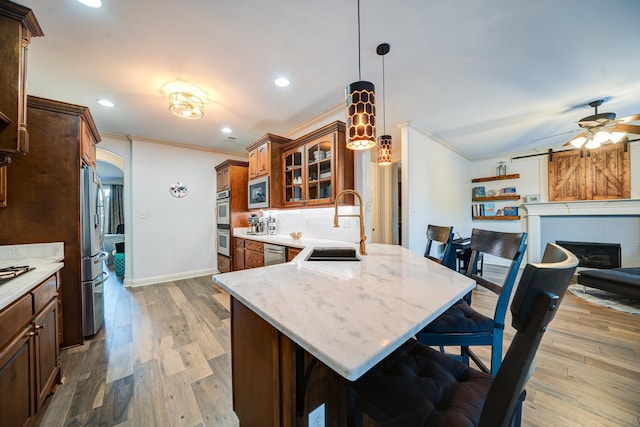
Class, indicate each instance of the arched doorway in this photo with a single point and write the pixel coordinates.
(110, 168)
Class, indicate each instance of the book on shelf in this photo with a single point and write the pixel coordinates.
(478, 191)
(489, 209)
(510, 211)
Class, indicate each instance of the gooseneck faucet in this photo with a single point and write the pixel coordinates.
(363, 237)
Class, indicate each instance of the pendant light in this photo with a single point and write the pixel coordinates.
(384, 142)
(361, 109)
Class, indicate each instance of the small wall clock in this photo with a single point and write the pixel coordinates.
(178, 189)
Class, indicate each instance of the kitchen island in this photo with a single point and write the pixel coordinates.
(300, 329)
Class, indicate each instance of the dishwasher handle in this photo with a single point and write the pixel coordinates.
(274, 251)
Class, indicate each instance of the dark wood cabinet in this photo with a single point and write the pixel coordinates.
(292, 253)
(45, 196)
(316, 167)
(232, 175)
(29, 353)
(238, 254)
(17, 25)
(253, 254)
(3, 186)
(265, 159)
(264, 366)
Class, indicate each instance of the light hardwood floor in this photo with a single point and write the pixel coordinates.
(162, 359)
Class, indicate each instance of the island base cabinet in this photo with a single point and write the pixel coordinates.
(264, 366)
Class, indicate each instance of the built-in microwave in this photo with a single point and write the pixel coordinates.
(258, 193)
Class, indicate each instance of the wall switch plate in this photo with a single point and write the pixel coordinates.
(316, 417)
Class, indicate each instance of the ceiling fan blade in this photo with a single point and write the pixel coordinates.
(553, 136)
(633, 118)
(577, 136)
(621, 127)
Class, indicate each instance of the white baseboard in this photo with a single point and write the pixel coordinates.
(169, 277)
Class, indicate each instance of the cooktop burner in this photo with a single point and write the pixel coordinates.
(8, 273)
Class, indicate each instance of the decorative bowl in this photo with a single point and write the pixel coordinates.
(295, 234)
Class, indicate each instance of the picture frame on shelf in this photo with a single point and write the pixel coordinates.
(532, 198)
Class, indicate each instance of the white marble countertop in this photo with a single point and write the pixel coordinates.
(349, 315)
(45, 257)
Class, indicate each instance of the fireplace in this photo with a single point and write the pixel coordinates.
(585, 221)
(595, 255)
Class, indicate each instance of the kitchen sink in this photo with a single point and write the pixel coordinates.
(333, 254)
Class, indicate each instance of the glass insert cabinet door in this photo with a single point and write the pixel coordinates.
(293, 179)
(319, 170)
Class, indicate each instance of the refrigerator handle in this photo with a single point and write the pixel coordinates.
(103, 255)
(105, 276)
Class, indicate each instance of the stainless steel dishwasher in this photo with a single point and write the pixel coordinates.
(274, 254)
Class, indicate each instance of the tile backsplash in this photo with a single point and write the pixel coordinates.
(317, 223)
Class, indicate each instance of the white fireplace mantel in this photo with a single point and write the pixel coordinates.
(534, 211)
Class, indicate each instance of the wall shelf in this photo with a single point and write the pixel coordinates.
(496, 178)
(501, 197)
(496, 218)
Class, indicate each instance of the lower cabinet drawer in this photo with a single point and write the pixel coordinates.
(252, 245)
(15, 317)
(44, 293)
(253, 259)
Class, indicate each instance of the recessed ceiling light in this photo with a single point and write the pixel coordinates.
(282, 82)
(226, 130)
(91, 3)
(106, 103)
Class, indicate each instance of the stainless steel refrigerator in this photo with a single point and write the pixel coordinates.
(93, 273)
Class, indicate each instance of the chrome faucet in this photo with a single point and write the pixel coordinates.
(363, 237)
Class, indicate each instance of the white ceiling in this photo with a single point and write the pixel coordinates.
(489, 77)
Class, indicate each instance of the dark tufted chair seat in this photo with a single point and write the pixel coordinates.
(460, 318)
(429, 387)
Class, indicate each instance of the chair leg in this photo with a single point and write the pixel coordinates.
(496, 352)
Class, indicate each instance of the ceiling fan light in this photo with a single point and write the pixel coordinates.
(601, 137)
(616, 136)
(578, 142)
(593, 144)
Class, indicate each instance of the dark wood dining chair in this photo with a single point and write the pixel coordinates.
(419, 386)
(464, 327)
(443, 236)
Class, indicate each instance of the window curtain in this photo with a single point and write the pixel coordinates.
(116, 213)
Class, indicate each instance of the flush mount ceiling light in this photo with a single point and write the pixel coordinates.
(282, 82)
(384, 142)
(361, 109)
(106, 103)
(186, 105)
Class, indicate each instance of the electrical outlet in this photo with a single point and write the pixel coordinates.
(345, 222)
(316, 417)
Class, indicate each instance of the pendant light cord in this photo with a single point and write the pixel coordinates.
(384, 102)
(359, 69)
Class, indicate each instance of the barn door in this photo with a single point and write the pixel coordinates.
(597, 174)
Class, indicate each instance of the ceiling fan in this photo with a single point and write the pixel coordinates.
(601, 128)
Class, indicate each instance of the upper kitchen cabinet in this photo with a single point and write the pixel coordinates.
(44, 191)
(88, 135)
(316, 167)
(265, 157)
(17, 25)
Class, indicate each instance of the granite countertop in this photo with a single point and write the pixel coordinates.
(349, 315)
(45, 257)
